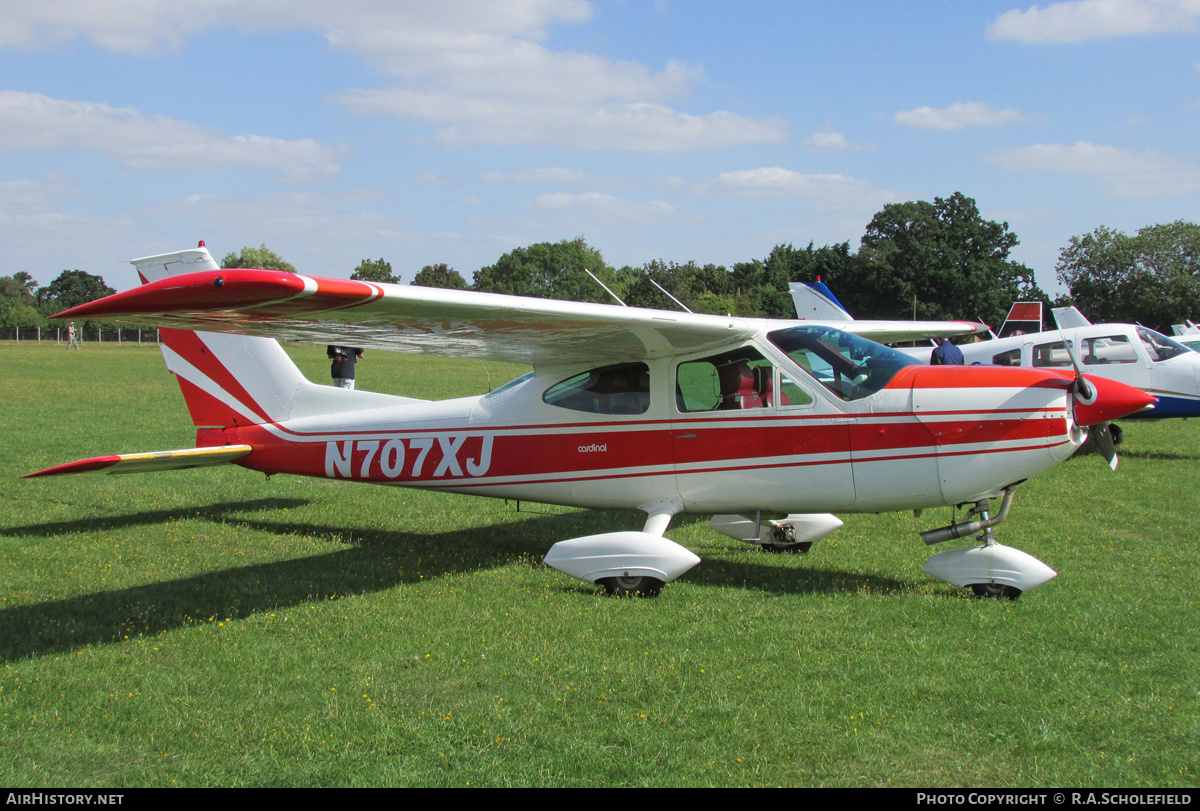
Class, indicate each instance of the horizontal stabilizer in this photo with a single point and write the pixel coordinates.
(150, 462)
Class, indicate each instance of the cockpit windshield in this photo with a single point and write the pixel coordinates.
(849, 366)
(1158, 346)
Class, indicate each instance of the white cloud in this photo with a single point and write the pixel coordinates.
(834, 190)
(1122, 173)
(477, 69)
(604, 206)
(959, 116)
(830, 141)
(144, 26)
(517, 119)
(554, 175)
(1083, 20)
(150, 142)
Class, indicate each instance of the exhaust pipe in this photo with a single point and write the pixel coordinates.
(966, 528)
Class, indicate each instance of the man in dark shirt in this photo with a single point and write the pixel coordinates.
(342, 370)
(946, 354)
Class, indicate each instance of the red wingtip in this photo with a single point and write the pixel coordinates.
(81, 466)
(204, 290)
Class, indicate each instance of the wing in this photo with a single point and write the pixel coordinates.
(406, 318)
(886, 332)
(815, 301)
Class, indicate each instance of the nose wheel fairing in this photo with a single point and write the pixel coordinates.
(989, 569)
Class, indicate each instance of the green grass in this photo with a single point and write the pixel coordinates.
(215, 628)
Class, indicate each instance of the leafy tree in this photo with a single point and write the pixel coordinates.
(938, 260)
(1152, 277)
(260, 257)
(375, 271)
(70, 289)
(549, 270)
(440, 275)
(765, 283)
(18, 302)
(707, 289)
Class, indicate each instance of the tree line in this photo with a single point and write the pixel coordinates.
(925, 260)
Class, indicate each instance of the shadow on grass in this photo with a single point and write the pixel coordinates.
(791, 579)
(215, 512)
(371, 560)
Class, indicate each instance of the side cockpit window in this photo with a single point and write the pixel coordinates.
(1108, 349)
(733, 381)
(620, 389)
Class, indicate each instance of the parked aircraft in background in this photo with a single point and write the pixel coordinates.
(771, 425)
(814, 301)
(1187, 334)
(1131, 354)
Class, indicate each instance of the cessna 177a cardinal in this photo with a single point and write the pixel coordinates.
(770, 425)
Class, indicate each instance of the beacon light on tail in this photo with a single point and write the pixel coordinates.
(773, 426)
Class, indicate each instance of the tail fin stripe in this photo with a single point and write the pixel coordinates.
(214, 380)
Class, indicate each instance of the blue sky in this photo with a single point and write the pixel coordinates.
(453, 132)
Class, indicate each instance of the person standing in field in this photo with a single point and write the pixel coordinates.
(342, 370)
(71, 342)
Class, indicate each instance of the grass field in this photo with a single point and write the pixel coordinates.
(215, 628)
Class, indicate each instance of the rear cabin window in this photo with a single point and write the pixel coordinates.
(620, 389)
(1010, 358)
(1052, 354)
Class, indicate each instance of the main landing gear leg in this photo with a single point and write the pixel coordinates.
(989, 569)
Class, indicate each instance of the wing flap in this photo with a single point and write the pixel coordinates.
(149, 462)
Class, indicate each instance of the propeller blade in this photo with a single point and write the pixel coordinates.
(1084, 390)
(1102, 435)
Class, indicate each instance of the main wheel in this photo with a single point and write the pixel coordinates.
(995, 591)
(630, 586)
(1117, 433)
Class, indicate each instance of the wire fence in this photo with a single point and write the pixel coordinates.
(87, 334)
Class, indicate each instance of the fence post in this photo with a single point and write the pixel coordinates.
(39, 333)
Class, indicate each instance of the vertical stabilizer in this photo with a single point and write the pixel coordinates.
(816, 301)
(226, 379)
(1024, 318)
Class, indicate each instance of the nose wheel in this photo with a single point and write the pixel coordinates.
(632, 586)
(995, 591)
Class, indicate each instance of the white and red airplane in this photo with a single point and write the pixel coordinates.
(771, 425)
